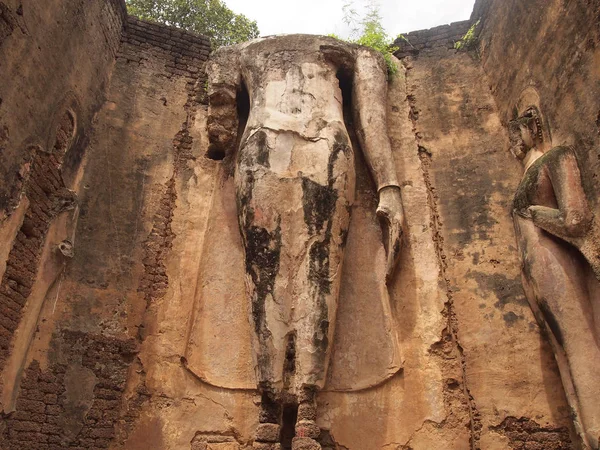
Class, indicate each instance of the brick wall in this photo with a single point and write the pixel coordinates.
(164, 67)
(444, 36)
(48, 196)
(76, 399)
(113, 19)
(71, 47)
(43, 189)
(185, 52)
(50, 417)
(184, 55)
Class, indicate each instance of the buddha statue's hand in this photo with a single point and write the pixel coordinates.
(391, 214)
(569, 227)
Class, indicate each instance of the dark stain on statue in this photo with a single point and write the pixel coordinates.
(319, 201)
(262, 149)
(321, 336)
(318, 272)
(550, 319)
(256, 151)
(319, 204)
(244, 200)
(341, 144)
(318, 275)
(263, 250)
(289, 363)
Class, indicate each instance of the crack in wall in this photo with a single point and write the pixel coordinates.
(157, 246)
(154, 282)
(449, 346)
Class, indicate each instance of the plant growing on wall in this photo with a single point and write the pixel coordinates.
(469, 40)
(209, 17)
(369, 31)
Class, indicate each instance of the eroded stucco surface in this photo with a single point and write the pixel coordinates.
(138, 336)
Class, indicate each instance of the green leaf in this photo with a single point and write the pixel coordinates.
(370, 31)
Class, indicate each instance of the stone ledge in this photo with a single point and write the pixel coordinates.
(433, 38)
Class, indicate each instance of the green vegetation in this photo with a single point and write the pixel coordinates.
(401, 36)
(209, 17)
(469, 40)
(369, 31)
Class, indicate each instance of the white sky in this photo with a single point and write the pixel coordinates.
(326, 16)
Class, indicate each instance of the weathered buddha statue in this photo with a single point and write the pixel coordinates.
(293, 166)
(557, 239)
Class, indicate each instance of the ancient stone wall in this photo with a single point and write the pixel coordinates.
(434, 39)
(56, 63)
(508, 369)
(92, 322)
(107, 234)
(553, 47)
(73, 46)
(182, 52)
(72, 325)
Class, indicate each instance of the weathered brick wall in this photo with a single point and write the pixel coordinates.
(48, 408)
(112, 20)
(184, 53)
(71, 47)
(137, 160)
(43, 189)
(182, 56)
(442, 37)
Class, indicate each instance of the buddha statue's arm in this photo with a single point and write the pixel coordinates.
(224, 81)
(573, 217)
(369, 100)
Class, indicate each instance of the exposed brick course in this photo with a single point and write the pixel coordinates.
(526, 434)
(114, 18)
(184, 55)
(43, 189)
(183, 52)
(444, 36)
(41, 417)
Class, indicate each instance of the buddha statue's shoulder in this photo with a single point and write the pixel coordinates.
(295, 46)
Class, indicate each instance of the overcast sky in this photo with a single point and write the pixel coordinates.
(326, 16)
